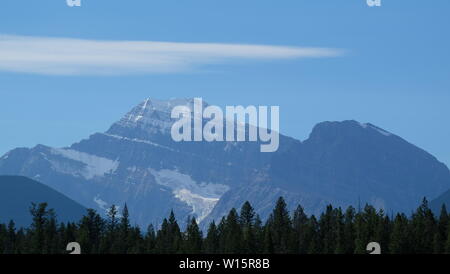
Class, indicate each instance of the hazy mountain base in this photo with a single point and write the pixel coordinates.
(17, 193)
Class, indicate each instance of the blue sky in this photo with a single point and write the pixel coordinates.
(390, 65)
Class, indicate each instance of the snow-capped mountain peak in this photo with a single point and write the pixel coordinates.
(379, 130)
(154, 115)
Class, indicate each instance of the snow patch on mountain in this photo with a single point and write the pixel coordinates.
(6, 156)
(202, 197)
(155, 115)
(100, 203)
(104, 206)
(93, 165)
(382, 131)
(166, 106)
(137, 141)
(132, 169)
(201, 206)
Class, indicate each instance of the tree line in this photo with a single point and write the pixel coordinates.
(335, 231)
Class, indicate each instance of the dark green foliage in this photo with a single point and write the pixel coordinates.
(335, 232)
(125, 233)
(349, 231)
(41, 228)
(150, 240)
(400, 241)
(247, 222)
(299, 243)
(168, 238)
(90, 230)
(193, 238)
(441, 234)
(232, 234)
(423, 228)
(280, 227)
(212, 240)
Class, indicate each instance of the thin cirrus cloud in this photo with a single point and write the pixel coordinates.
(66, 56)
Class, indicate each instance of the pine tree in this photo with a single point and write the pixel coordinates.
(10, 238)
(221, 233)
(169, 238)
(69, 233)
(232, 234)
(280, 227)
(193, 238)
(247, 216)
(124, 231)
(327, 230)
(38, 226)
(268, 242)
(109, 243)
(399, 240)
(314, 246)
(3, 238)
(50, 233)
(339, 228)
(150, 240)
(91, 229)
(299, 237)
(136, 244)
(174, 233)
(112, 218)
(383, 231)
(247, 219)
(163, 244)
(83, 238)
(423, 225)
(365, 228)
(259, 235)
(440, 237)
(447, 243)
(212, 240)
(349, 230)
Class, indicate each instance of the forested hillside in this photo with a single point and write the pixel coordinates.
(335, 231)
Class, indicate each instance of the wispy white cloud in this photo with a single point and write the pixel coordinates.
(64, 56)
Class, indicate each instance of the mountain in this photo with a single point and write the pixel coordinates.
(136, 162)
(346, 163)
(443, 199)
(17, 193)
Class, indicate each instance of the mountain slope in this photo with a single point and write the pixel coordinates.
(137, 162)
(443, 199)
(346, 163)
(17, 193)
